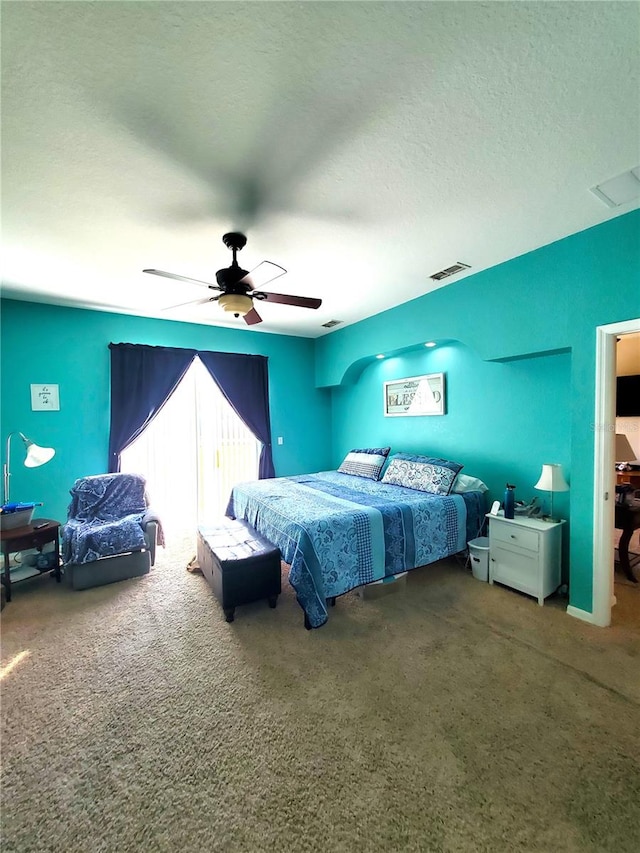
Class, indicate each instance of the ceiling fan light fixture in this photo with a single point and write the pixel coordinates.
(236, 303)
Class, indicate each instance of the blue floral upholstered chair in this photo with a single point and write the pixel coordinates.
(111, 533)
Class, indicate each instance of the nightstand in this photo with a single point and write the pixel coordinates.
(525, 553)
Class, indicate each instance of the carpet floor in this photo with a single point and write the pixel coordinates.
(450, 715)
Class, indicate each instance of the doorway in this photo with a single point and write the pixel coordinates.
(192, 453)
(604, 468)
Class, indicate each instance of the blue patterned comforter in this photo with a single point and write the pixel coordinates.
(338, 532)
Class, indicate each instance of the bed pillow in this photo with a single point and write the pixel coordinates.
(424, 473)
(365, 462)
(464, 483)
(379, 451)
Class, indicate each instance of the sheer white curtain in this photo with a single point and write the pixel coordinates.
(192, 454)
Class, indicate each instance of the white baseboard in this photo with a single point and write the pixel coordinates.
(584, 615)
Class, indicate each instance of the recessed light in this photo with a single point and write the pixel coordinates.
(430, 344)
(380, 356)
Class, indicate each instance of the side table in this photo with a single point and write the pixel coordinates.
(524, 553)
(39, 533)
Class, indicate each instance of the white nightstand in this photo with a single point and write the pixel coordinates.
(524, 553)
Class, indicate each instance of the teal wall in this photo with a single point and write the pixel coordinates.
(487, 427)
(546, 302)
(69, 347)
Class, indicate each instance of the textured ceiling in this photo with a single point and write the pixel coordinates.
(363, 146)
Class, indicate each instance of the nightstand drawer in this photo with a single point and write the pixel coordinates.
(511, 534)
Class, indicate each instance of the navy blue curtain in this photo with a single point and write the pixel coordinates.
(244, 381)
(142, 380)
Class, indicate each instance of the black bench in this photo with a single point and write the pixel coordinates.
(240, 564)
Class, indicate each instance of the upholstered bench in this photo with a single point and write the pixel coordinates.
(240, 564)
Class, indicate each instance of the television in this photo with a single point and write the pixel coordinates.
(628, 396)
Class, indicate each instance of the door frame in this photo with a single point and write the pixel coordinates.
(604, 468)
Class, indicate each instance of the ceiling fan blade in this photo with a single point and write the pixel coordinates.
(263, 274)
(182, 278)
(286, 299)
(192, 302)
(252, 317)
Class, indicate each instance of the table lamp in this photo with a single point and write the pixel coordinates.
(551, 480)
(35, 456)
(623, 451)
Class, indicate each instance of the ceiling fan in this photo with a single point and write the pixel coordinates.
(239, 287)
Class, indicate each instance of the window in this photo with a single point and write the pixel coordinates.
(192, 454)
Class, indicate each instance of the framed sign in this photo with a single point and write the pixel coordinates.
(45, 398)
(415, 395)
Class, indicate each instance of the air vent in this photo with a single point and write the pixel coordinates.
(331, 324)
(458, 267)
(620, 190)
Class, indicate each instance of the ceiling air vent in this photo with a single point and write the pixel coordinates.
(620, 190)
(457, 267)
(331, 324)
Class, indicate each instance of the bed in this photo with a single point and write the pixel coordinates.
(339, 531)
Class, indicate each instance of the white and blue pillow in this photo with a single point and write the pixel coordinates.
(365, 462)
(423, 473)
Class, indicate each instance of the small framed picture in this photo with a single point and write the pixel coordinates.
(45, 398)
(415, 395)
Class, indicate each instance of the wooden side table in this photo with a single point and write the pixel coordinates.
(36, 535)
(630, 477)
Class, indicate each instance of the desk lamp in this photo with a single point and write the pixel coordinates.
(35, 456)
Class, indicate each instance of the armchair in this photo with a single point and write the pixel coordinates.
(110, 533)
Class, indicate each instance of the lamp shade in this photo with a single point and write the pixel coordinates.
(37, 455)
(552, 479)
(236, 303)
(624, 451)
